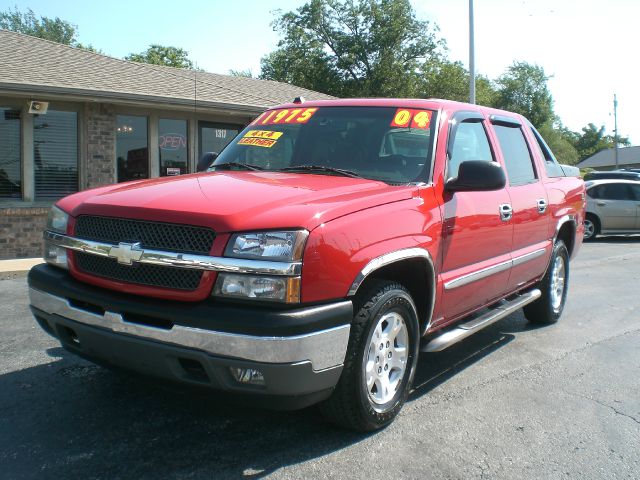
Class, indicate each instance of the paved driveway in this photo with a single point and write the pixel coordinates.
(510, 402)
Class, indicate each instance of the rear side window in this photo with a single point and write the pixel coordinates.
(517, 157)
(470, 143)
(615, 191)
(551, 165)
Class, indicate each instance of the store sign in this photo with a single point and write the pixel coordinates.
(172, 141)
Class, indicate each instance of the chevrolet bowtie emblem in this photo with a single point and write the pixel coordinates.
(126, 253)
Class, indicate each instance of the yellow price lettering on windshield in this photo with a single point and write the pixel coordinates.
(421, 119)
(410, 118)
(401, 118)
(285, 116)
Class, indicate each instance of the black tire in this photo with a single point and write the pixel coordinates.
(351, 405)
(548, 308)
(592, 228)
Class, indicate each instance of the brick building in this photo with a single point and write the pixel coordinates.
(108, 120)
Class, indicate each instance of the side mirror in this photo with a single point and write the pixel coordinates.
(476, 176)
(206, 160)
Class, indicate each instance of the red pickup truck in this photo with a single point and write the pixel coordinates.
(318, 254)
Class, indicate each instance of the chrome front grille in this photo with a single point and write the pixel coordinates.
(186, 239)
(152, 275)
(154, 235)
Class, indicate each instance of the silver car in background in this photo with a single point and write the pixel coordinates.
(613, 208)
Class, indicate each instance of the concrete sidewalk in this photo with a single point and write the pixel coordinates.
(18, 265)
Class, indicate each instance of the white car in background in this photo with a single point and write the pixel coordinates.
(613, 208)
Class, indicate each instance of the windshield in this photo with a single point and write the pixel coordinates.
(380, 143)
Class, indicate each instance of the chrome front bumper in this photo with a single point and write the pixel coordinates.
(324, 349)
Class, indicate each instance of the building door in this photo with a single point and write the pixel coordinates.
(213, 137)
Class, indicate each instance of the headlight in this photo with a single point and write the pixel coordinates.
(57, 222)
(258, 287)
(285, 246)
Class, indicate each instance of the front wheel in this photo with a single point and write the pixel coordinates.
(548, 308)
(380, 361)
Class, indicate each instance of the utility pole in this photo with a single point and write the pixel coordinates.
(472, 57)
(615, 126)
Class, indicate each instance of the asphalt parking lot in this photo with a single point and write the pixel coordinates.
(512, 401)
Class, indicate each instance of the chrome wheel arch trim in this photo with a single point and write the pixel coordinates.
(564, 219)
(398, 256)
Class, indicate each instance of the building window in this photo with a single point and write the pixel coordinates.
(214, 137)
(10, 171)
(172, 143)
(132, 147)
(55, 154)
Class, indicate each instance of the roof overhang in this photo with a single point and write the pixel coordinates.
(90, 95)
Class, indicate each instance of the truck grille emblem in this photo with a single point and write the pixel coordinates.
(126, 253)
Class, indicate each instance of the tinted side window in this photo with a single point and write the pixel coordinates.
(594, 192)
(470, 143)
(636, 191)
(616, 191)
(516, 155)
(551, 165)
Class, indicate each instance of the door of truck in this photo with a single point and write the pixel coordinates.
(476, 231)
(528, 199)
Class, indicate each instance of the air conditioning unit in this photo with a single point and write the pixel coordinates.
(38, 107)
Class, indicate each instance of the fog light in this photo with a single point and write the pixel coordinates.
(55, 255)
(247, 376)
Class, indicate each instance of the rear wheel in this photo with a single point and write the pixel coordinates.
(591, 228)
(548, 308)
(380, 361)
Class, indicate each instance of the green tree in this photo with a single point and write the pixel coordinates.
(523, 89)
(593, 139)
(450, 81)
(161, 55)
(348, 48)
(53, 29)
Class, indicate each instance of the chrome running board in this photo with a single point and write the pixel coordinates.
(463, 330)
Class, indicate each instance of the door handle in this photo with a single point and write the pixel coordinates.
(601, 204)
(506, 212)
(542, 205)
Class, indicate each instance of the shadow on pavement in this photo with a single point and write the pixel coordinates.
(71, 419)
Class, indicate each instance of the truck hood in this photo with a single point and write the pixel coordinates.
(238, 201)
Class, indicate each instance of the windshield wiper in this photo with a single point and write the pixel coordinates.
(320, 168)
(246, 166)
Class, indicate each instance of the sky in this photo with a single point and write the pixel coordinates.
(587, 47)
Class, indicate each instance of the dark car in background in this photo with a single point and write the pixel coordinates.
(631, 174)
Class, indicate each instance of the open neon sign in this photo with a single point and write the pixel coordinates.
(172, 141)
